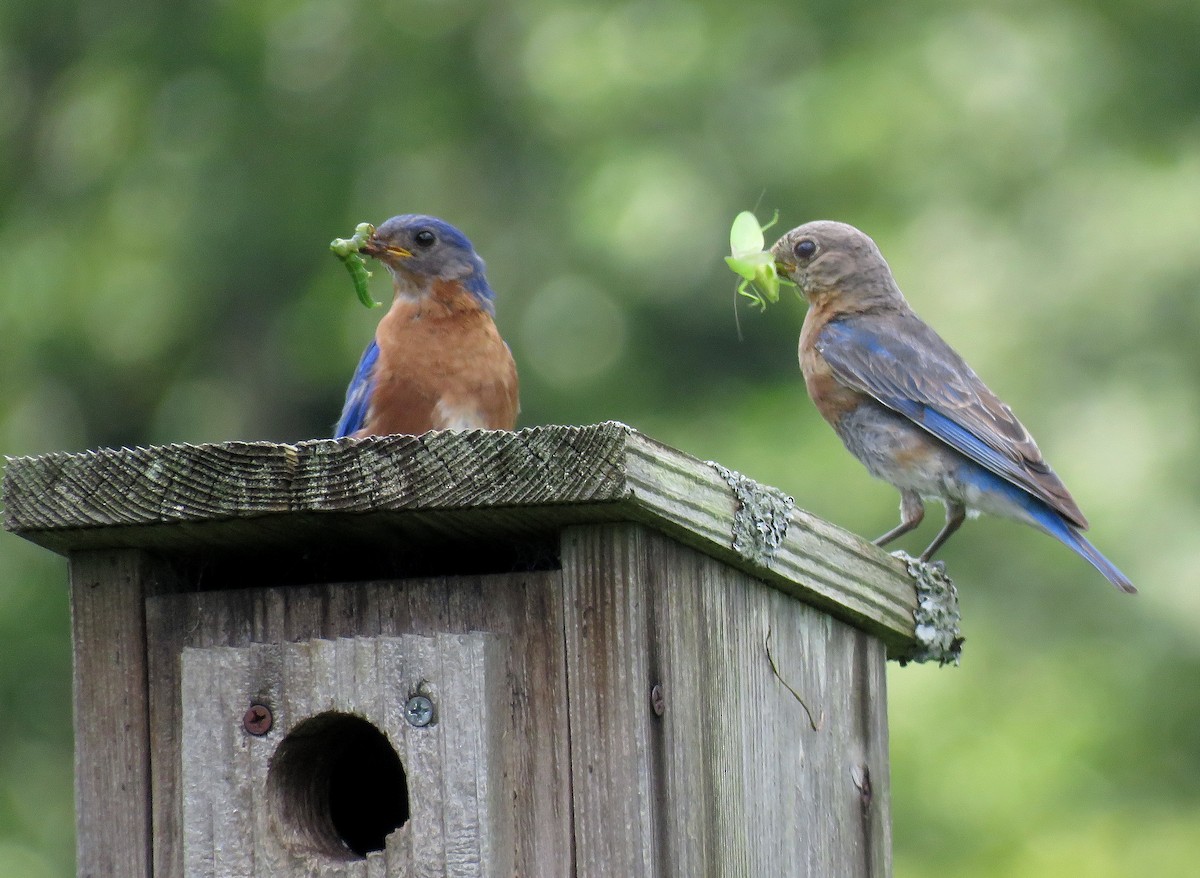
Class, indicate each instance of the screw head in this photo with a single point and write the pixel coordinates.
(419, 711)
(658, 701)
(257, 720)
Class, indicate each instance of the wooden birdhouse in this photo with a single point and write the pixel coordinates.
(565, 651)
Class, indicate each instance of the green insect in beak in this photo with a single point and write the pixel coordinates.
(752, 262)
(347, 250)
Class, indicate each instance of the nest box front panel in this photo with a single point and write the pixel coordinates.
(366, 756)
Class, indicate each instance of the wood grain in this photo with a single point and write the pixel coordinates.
(731, 779)
(112, 711)
(440, 489)
(249, 811)
(522, 610)
(631, 718)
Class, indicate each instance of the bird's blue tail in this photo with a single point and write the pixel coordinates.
(1053, 524)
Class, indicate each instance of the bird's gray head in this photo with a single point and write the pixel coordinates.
(418, 249)
(827, 259)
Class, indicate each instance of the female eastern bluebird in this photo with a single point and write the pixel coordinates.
(908, 406)
(437, 361)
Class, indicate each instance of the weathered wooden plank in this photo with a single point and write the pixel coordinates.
(443, 489)
(179, 484)
(815, 561)
(267, 804)
(524, 610)
(731, 779)
(611, 668)
(112, 744)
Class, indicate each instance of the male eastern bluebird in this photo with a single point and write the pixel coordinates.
(908, 406)
(437, 361)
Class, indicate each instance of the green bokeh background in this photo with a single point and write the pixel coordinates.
(170, 175)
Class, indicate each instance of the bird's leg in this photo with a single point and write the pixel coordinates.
(912, 510)
(956, 514)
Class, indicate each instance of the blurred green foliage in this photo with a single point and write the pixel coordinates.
(171, 175)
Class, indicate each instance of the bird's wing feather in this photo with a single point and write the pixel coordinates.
(907, 366)
(358, 394)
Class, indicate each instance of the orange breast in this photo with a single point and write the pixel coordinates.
(442, 364)
(832, 398)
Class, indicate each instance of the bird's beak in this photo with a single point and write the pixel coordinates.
(375, 247)
(782, 266)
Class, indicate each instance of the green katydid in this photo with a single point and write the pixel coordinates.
(752, 262)
(347, 250)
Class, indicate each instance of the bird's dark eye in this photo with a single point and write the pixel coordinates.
(425, 238)
(805, 248)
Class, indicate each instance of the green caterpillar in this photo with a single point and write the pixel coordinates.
(347, 250)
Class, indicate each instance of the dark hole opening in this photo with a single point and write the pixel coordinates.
(337, 786)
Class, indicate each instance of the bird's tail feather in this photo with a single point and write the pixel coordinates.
(1054, 525)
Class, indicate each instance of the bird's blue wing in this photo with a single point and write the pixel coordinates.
(358, 394)
(901, 362)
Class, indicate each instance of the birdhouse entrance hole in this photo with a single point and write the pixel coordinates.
(337, 787)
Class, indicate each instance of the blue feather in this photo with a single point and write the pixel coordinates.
(358, 394)
(928, 390)
(955, 435)
(1045, 519)
(1054, 524)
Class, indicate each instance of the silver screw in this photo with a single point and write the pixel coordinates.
(419, 711)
